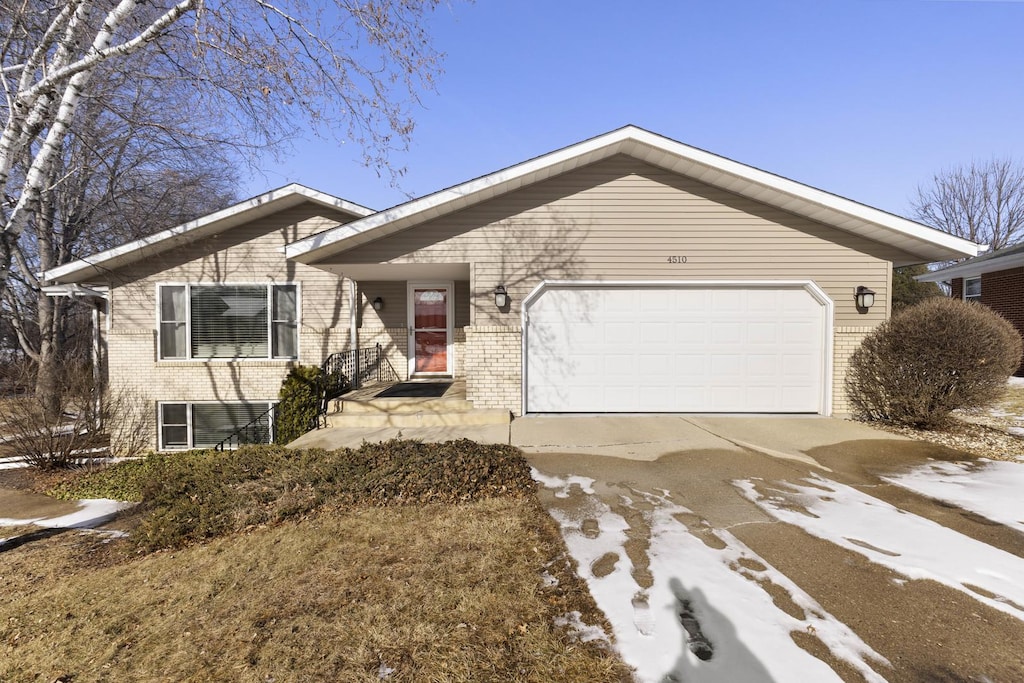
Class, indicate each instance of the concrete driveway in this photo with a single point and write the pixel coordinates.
(677, 523)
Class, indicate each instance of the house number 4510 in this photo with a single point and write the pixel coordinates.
(677, 259)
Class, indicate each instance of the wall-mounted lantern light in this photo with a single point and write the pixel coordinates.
(865, 298)
(500, 296)
(378, 304)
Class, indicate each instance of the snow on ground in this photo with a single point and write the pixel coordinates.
(1016, 381)
(704, 594)
(12, 463)
(90, 513)
(989, 488)
(910, 545)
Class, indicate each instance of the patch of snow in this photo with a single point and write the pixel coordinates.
(384, 671)
(912, 546)
(12, 463)
(695, 583)
(1016, 381)
(584, 633)
(1016, 431)
(562, 486)
(91, 513)
(991, 489)
(547, 579)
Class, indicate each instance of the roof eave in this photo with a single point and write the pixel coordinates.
(266, 203)
(968, 269)
(920, 241)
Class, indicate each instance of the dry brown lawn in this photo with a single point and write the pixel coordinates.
(418, 593)
(1013, 401)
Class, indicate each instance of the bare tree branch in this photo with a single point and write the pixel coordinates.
(982, 202)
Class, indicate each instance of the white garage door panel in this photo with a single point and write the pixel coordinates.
(675, 349)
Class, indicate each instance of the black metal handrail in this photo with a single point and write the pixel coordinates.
(347, 370)
(259, 430)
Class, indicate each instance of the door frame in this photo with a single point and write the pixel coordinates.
(449, 287)
(810, 286)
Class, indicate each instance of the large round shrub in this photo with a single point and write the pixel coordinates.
(931, 359)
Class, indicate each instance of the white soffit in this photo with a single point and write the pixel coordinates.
(262, 205)
(920, 241)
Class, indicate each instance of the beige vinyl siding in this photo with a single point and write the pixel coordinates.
(395, 295)
(248, 253)
(621, 219)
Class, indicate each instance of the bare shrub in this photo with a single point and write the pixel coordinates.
(129, 420)
(931, 359)
(51, 439)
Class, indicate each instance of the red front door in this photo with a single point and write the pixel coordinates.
(429, 313)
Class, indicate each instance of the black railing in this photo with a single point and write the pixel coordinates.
(349, 370)
(259, 430)
(342, 372)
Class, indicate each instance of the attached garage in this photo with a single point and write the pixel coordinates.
(730, 347)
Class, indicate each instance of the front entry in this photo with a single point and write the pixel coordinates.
(430, 329)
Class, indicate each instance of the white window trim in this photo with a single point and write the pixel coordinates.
(188, 419)
(963, 293)
(189, 358)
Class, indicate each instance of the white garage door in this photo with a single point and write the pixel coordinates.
(736, 349)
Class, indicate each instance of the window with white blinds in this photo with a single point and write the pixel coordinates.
(228, 321)
(204, 425)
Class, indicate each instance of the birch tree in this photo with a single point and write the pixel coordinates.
(982, 202)
(353, 68)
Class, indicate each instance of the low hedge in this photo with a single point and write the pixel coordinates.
(192, 496)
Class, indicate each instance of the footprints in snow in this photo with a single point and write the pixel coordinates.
(643, 616)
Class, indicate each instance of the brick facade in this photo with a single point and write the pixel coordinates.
(846, 340)
(1003, 292)
(494, 367)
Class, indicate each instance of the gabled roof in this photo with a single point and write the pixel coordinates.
(262, 205)
(920, 241)
(1000, 259)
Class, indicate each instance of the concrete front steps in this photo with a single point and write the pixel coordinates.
(412, 412)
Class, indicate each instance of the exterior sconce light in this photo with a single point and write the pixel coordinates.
(378, 304)
(865, 298)
(500, 296)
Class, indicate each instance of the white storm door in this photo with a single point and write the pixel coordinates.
(430, 330)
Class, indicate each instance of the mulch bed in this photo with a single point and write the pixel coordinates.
(969, 435)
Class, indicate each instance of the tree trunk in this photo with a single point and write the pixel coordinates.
(48, 369)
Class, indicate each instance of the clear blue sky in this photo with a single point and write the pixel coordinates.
(864, 98)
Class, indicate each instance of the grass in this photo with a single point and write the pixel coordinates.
(1012, 402)
(451, 589)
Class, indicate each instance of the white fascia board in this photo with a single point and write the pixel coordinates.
(76, 290)
(236, 211)
(969, 269)
(695, 162)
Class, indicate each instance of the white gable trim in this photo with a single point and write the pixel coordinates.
(971, 268)
(919, 240)
(268, 202)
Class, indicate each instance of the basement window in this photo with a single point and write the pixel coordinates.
(207, 424)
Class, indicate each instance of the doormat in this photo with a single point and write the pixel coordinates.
(415, 390)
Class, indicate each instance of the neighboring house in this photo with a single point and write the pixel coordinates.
(626, 273)
(995, 279)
